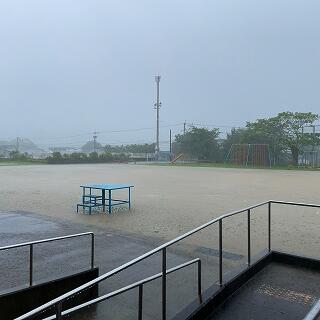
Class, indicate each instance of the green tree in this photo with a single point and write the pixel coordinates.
(105, 157)
(78, 157)
(286, 130)
(200, 143)
(93, 156)
(56, 156)
(251, 136)
(13, 155)
(16, 155)
(134, 148)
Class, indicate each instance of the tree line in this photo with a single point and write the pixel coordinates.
(82, 157)
(284, 133)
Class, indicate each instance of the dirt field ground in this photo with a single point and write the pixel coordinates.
(168, 201)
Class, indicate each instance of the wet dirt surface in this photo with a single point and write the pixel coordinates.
(166, 201)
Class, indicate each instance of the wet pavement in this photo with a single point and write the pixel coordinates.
(279, 291)
(60, 258)
(112, 249)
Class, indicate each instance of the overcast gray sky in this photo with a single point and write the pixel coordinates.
(68, 68)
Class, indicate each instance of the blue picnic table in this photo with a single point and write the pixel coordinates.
(91, 200)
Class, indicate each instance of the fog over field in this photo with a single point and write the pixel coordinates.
(222, 63)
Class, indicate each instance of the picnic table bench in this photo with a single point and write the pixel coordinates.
(90, 200)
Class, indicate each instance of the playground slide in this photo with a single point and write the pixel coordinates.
(177, 158)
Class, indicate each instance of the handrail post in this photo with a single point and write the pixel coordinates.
(140, 301)
(199, 278)
(59, 311)
(269, 226)
(31, 265)
(249, 240)
(220, 253)
(164, 284)
(92, 250)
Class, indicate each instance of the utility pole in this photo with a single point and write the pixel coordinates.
(95, 141)
(157, 107)
(170, 144)
(17, 145)
(184, 127)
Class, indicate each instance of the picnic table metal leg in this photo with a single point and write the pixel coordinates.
(129, 198)
(104, 200)
(83, 199)
(83, 193)
(109, 201)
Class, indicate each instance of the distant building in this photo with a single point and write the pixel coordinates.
(141, 156)
(164, 156)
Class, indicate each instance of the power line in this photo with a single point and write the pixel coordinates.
(212, 125)
(108, 131)
(61, 139)
(81, 143)
(102, 132)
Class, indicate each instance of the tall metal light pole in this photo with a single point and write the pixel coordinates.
(157, 106)
(170, 137)
(95, 141)
(17, 145)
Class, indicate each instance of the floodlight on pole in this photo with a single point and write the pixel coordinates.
(95, 141)
(157, 107)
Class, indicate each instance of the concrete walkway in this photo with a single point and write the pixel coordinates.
(279, 291)
(57, 259)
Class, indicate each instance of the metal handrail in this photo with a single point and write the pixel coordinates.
(314, 313)
(139, 284)
(32, 243)
(300, 204)
(59, 300)
(107, 275)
